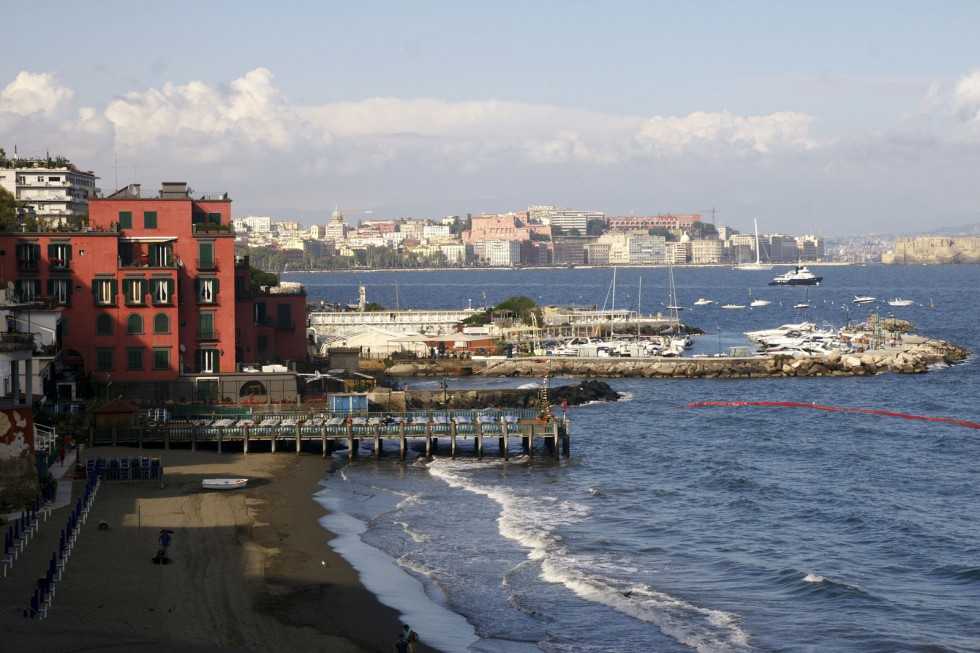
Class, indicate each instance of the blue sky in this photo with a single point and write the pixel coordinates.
(833, 117)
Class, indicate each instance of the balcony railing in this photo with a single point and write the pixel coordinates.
(28, 265)
(15, 341)
(207, 264)
(59, 265)
(208, 334)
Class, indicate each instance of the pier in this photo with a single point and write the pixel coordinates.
(427, 431)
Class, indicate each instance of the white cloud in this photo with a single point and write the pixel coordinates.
(964, 102)
(210, 120)
(33, 93)
(721, 133)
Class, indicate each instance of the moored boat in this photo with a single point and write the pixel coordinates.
(898, 301)
(798, 276)
(863, 299)
(224, 483)
(704, 302)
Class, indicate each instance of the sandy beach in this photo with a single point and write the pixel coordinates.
(251, 570)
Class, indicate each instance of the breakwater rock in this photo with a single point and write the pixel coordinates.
(581, 393)
(908, 359)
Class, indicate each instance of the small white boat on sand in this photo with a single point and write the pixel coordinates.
(224, 483)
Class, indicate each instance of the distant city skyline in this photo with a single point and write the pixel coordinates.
(835, 119)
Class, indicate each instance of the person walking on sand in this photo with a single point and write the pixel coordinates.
(410, 637)
(401, 646)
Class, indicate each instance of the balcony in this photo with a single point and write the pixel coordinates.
(207, 264)
(11, 341)
(202, 228)
(59, 265)
(143, 261)
(208, 334)
(28, 265)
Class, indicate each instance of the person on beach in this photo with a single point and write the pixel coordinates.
(410, 637)
(401, 646)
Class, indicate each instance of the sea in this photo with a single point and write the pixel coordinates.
(681, 528)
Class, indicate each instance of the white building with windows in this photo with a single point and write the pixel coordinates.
(54, 191)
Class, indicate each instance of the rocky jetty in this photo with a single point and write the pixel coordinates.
(914, 356)
(581, 393)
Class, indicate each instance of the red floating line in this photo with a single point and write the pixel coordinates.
(790, 404)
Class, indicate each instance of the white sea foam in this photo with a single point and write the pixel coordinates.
(444, 630)
(532, 521)
(813, 578)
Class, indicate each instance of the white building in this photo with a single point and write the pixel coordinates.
(53, 190)
(435, 231)
(259, 225)
(647, 249)
(456, 252)
(498, 252)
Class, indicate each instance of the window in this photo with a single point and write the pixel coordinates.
(105, 291)
(103, 324)
(28, 290)
(59, 254)
(162, 290)
(262, 344)
(161, 359)
(214, 218)
(206, 360)
(149, 219)
(60, 291)
(161, 255)
(103, 359)
(134, 359)
(135, 290)
(205, 256)
(28, 256)
(205, 325)
(207, 290)
(161, 323)
(125, 219)
(134, 324)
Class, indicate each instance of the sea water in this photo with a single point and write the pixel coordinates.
(675, 528)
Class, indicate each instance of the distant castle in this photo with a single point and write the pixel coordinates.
(933, 250)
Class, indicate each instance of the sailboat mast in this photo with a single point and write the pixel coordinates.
(639, 304)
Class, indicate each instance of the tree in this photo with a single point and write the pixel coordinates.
(8, 209)
(596, 227)
(704, 230)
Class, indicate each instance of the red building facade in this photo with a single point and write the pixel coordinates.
(150, 290)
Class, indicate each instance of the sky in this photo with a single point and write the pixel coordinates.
(832, 118)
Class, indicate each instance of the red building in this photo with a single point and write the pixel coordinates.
(150, 290)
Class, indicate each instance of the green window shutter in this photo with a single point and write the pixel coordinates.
(68, 253)
(52, 252)
(125, 219)
(149, 219)
(50, 287)
(215, 286)
(113, 288)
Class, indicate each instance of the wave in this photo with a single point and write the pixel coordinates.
(533, 521)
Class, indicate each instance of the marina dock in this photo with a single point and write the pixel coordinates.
(427, 431)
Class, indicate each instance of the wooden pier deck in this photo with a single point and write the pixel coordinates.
(284, 432)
